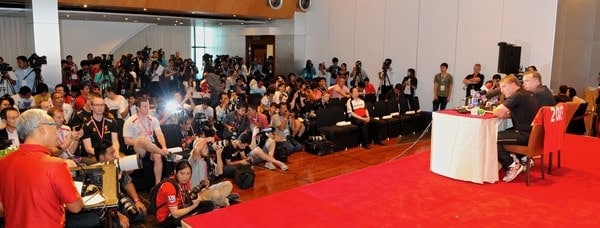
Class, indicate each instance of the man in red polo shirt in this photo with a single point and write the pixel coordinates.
(35, 187)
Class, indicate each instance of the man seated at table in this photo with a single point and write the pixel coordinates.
(532, 82)
(521, 106)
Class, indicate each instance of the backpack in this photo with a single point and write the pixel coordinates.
(152, 207)
(243, 176)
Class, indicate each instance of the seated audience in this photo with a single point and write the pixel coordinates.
(359, 115)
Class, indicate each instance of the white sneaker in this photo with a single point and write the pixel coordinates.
(513, 172)
(270, 166)
(284, 167)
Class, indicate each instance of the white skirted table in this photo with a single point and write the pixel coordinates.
(463, 146)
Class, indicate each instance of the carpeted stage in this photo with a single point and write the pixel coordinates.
(406, 192)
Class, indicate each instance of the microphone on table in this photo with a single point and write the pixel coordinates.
(87, 188)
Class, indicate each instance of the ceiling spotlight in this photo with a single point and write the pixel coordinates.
(193, 12)
(158, 18)
(181, 22)
(220, 23)
(145, 9)
(269, 18)
(104, 15)
(135, 21)
(126, 18)
(176, 21)
(84, 5)
(68, 15)
(234, 15)
(242, 23)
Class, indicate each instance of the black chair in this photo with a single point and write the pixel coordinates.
(342, 136)
(393, 125)
(380, 129)
(406, 121)
(577, 123)
(418, 119)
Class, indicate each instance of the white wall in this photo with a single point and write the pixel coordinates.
(81, 37)
(422, 34)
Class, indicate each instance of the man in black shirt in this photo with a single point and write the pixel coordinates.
(521, 106)
(532, 82)
(474, 81)
(99, 128)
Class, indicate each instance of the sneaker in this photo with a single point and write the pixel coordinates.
(284, 167)
(269, 165)
(513, 172)
(233, 197)
(170, 157)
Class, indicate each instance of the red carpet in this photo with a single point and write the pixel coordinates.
(405, 192)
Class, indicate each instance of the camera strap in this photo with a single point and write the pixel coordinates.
(26, 76)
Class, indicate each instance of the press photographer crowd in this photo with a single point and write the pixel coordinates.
(188, 137)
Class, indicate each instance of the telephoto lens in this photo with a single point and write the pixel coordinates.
(193, 193)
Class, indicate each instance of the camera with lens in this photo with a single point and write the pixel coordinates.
(386, 64)
(161, 53)
(201, 124)
(145, 52)
(128, 208)
(36, 61)
(195, 191)
(5, 67)
(107, 62)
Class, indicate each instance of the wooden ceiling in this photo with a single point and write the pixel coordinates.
(241, 9)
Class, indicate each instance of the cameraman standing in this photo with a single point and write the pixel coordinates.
(358, 74)
(24, 73)
(8, 78)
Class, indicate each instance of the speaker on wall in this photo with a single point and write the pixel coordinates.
(509, 58)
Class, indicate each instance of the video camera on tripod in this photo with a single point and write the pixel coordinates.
(107, 62)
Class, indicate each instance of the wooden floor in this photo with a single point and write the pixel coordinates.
(305, 168)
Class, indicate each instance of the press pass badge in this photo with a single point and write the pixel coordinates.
(442, 87)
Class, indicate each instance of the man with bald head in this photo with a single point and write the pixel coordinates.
(521, 106)
(532, 82)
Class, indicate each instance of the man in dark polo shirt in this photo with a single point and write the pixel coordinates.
(521, 106)
(532, 82)
(99, 128)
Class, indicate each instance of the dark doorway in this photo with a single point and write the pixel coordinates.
(261, 48)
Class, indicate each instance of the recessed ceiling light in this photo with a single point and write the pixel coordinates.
(220, 23)
(193, 12)
(176, 21)
(145, 9)
(181, 22)
(234, 15)
(135, 21)
(242, 23)
(126, 18)
(68, 15)
(104, 15)
(269, 18)
(158, 18)
(84, 5)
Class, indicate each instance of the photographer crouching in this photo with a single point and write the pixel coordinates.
(172, 201)
(131, 209)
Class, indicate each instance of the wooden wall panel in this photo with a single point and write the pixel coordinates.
(255, 9)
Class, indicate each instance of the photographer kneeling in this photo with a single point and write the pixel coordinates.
(173, 202)
(131, 209)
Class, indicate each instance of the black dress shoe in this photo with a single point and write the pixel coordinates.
(380, 143)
